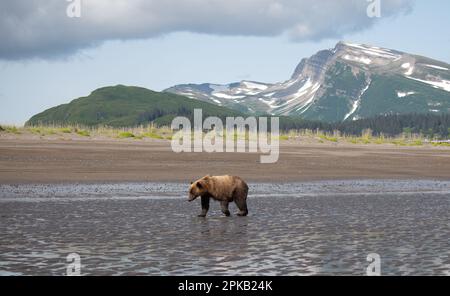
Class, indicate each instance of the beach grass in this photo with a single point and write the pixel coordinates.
(165, 133)
(123, 135)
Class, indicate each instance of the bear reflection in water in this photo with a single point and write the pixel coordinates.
(224, 189)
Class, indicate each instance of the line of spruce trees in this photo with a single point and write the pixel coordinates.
(429, 125)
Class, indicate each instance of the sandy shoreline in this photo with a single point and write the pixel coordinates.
(103, 161)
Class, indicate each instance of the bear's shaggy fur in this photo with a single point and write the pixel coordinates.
(224, 189)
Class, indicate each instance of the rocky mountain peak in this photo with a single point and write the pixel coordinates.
(346, 82)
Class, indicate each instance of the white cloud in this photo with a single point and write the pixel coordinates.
(41, 28)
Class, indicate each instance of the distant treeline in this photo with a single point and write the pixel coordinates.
(429, 125)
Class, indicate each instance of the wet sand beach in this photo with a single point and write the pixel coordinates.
(93, 161)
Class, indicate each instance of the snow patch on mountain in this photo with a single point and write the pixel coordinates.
(410, 71)
(226, 96)
(409, 67)
(434, 104)
(375, 51)
(302, 90)
(405, 94)
(188, 94)
(363, 60)
(270, 103)
(357, 102)
(436, 67)
(250, 93)
(310, 101)
(442, 84)
(406, 65)
(307, 104)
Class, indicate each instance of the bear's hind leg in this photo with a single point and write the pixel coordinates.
(242, 206)
(224, 207)
(205, 206)
(240, 198)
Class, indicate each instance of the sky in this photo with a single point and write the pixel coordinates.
(47, 58)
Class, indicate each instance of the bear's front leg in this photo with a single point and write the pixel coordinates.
(205, 206)
(224, 207)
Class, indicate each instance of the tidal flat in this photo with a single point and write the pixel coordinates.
(308, 228)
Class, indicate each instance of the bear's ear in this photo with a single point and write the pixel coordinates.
(192, 182)
(199, 185)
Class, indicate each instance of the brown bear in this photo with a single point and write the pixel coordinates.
(224, 189)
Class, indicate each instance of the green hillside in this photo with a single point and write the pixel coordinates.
(343, 87)
(126, 106)
(130, 106)
(382, 97)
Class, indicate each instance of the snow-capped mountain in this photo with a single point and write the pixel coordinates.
(347, 82)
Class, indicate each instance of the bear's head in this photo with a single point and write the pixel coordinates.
(198, 188)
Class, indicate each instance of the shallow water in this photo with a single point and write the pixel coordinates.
(325, 228)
